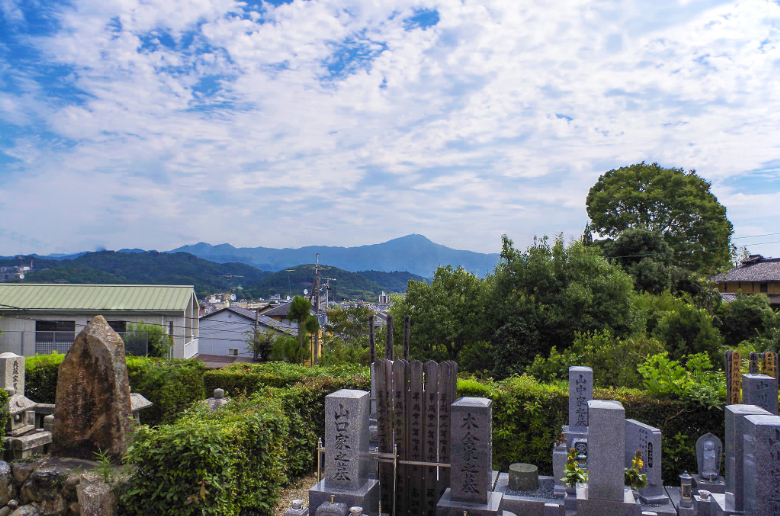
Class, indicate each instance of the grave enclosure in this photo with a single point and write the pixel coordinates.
(412, 447)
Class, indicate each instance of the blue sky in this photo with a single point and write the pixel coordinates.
(128, 123)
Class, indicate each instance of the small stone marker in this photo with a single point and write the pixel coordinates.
(753, 363)
(93, 410)
(709, 450)
(472, 458)
(760, 390)
(606, 450)
(762, 454)
(647, 439)
(523, 477)
(12, 372)
(770, 364)
(736, 428)
(580, 393)
(346, 442)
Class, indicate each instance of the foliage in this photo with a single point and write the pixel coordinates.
(170, 384)
(696, 382)
(573, 474)
(211, 463)
(543, 297)
(338, 352)
(260, 343)
(447, 314)
(645, 255)
(675, 203)
(300, 310)
(4, 416)
(104, 468)
(632, 476)
(614, 361)
(748, 317)
(689, 330)
(288, 349)
(348, 324)
(148, 268)
(158, 340)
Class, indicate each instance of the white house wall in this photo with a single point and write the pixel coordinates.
(222, 331)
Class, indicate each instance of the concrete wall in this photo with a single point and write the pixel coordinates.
(222, 331)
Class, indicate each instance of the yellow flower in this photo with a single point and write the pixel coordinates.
(640, 464)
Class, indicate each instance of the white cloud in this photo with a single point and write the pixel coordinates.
(497, 119)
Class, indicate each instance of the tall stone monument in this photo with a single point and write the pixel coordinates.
(93, 409)
(471, 462)
(760, 390)
(762, 465)
(576, 432)
(347, 461)
(736, 428)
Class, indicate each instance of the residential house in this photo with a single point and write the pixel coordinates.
(41, 318)
(226, 331)
(755, 275)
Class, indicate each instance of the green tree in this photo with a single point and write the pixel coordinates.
(543, 296)
(349, 324)
(689, 330)
(748, 317)
(300, 310)
(645, 255)
(676, 203)
(447, 314)
(158, 340)
(260, 343)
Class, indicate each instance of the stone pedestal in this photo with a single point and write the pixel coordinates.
(760, 390)
(736, 428)
(606, 450)
(624, 506)
(761, 485)
(367, 496)
(523, 477)
(449, 507)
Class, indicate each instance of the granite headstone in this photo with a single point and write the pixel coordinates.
(580, 392)
(12, 372)
(606, 450)
(760, 390)
(762, 465)
(735, 431)
(472, 456)
(646, 439)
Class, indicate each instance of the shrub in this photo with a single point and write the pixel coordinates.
(158, 340)
(211, 463)
(170, 384)
(3, 414)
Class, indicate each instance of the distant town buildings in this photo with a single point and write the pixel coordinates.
(755, 275)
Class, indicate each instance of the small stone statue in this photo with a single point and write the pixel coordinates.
(710, 461)
(708, 456)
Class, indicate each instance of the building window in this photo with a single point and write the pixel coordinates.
(233, 352)
(54, 336)
(170, 328)
(762, 287)
(118, 326)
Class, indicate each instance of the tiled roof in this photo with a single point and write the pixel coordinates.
(281, 311)
(69, 298)
(261, 319)
(766, 269)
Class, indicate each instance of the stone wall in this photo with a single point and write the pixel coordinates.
(52, 487)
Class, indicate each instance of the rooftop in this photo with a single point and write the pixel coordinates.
(755, 268)
(261, 319)
(32, 297)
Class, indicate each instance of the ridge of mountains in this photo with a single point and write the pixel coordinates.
(412, 253)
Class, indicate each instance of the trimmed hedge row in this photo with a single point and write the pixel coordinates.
(171, 385)
(249, 378)
(528, 415)
(233, 461)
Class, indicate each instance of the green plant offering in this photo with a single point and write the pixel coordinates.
(632, 477)
(573, 474)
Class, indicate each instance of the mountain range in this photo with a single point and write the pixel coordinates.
(412, 253)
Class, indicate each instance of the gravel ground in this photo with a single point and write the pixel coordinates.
(298, 489)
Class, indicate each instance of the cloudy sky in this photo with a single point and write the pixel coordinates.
(141, 123)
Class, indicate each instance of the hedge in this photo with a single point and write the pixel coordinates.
(248, 378)
(528, 415)
(3, 415)
(234, 460)
(171, 385)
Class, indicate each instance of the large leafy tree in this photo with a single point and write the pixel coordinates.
(675, 203)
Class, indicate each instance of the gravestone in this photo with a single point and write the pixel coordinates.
(753, 363)
(646, 439)
(762, 465)
(12, 372)
(580, 393)
(93, 411)
(770, 364)
(733, 377)
(606, 453)
(736, 428)
(347, 460)
(471, 473)
(760, 390)
(431, 431)
(709, 451)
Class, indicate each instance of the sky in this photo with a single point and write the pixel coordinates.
(146, 124)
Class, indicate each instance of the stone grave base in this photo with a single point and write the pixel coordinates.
(654, 496)
(713, 486)
(449, 507)
(366, 497)
(527, 503)
(590, 507)
(25, 446)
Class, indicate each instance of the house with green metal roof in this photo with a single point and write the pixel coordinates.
(41, 318)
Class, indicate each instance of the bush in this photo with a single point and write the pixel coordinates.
(158, 340)
(170, 384)
(3, 414)
(211, 463)
(249, 378)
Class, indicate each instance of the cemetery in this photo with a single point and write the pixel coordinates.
(409, 438)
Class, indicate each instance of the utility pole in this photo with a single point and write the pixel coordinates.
(315, 291)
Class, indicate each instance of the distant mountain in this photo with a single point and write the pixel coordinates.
(146, 268)
(343, 284)
(413, 253)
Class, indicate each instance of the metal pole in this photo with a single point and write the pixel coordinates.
(319, 459)
(395, 476)
(371, 343)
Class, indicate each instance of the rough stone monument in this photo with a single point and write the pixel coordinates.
(709, 450)
(472, 461)
(347, 460)
(93, 410)
(762, 465)
(760, 390)
(645, 438)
